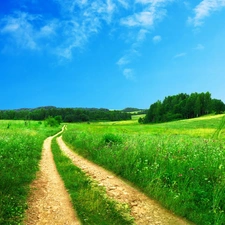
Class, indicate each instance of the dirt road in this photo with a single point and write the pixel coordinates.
(49, 203)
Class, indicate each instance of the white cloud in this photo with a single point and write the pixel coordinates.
(199, 47)
(156, 39)
(21, 29)
(142, 35)
(179, 55)
(153, 2)
(48, 30)
(83, 2)
(204, 9)
(81, 19)
(124, 3)
(128, 73)
(150, 12)
(77, 26)
(143, 19)
(123, 61)
(11, 26)
(72, 30)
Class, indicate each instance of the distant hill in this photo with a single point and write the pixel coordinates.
(54, 107)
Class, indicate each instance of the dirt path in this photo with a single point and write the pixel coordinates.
(49, 203)
(144, 210)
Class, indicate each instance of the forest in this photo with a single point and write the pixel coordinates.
(67, 114)
(183, 106)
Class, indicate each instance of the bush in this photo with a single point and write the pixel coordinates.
(112, 139)
(52, 122)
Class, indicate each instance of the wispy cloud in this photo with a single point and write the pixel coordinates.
(147, 14)
(141, 22)
(153, 2)
(204, 9)
(131, 54)
(141, 36)
(142, 19)
(129, 73)
(124, 3)
(78, 26)
(79, 20)
(179, 55)
(156, 39)
(199, 47)
(123, 61)
(23, 31)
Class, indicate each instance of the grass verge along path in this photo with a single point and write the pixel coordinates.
(143, 209)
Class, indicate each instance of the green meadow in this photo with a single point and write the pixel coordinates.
(180, 164)
(20, 152)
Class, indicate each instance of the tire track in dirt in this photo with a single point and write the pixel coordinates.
(49, 202)
(144, 210)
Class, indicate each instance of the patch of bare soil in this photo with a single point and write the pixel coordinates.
(144, 210)
(49, 202)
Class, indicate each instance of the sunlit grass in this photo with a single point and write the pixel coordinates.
(178, 163)
(20, 151)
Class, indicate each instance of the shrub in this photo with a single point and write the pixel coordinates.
(111, 139)
(52, 122)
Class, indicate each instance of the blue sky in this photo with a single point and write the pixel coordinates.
(109, 53)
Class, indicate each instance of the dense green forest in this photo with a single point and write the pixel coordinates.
(67, 114)
(183, 106)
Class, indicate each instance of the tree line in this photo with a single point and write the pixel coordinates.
(135, 111)
(183, 106)
(66, 114)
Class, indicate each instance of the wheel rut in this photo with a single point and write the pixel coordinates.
(144, 210)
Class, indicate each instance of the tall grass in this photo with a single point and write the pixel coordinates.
(90, 200)
(20, 151)
(172, 162)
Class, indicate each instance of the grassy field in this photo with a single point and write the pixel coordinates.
(180, 164)
(20, 151)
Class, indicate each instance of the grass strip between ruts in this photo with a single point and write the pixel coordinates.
(90, 200)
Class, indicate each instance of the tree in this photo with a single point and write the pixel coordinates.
(197, 107)
(154, 113)
(58, 119)
(217, 106)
